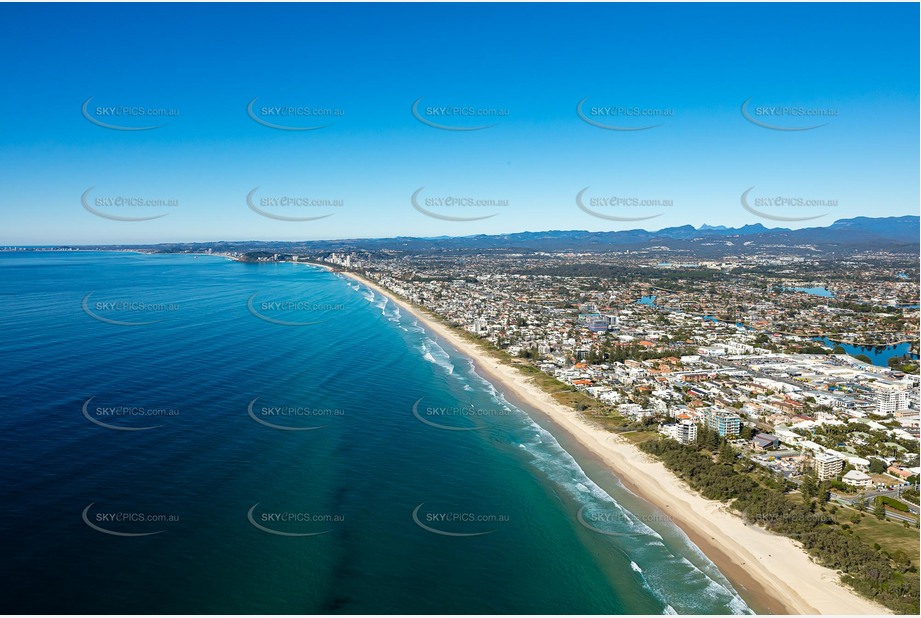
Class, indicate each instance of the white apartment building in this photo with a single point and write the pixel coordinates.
(888, 401)
(827, 466)
(684, 431)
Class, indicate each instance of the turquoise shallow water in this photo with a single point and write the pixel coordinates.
(190, 434)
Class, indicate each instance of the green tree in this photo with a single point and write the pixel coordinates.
(877, 466)
(879, 509)
(727, 453)
(809, 487)
(871, 572)
(824, 492)
(712, 440)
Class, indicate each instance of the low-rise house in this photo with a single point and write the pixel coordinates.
(856, 478)
(902, 473)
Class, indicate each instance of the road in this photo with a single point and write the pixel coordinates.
(868, 503)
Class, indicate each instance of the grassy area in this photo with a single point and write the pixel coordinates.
(885, 479)
(892, 536)
(796, 498)
(639, 436)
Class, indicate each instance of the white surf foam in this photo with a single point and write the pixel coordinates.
(434, 353)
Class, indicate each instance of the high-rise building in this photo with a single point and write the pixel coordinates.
(889, 401)
(828, 466)
(723, 422)
(685, 431)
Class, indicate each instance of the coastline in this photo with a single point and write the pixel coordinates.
(771, 572)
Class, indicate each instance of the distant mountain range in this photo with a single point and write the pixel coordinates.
(894, 234)
(878, 232)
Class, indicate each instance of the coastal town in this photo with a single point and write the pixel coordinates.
(805, 380)
(461, 309)
(767, 390)
(790, 397)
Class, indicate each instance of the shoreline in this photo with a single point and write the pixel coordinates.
(771, 572)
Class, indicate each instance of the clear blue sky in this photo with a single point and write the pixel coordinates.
(373, 61)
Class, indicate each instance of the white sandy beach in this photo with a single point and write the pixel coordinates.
(771, 571)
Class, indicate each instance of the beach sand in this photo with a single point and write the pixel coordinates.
(772, 573)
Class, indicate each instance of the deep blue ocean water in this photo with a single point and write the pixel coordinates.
(188, 434)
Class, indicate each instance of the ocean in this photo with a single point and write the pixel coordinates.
(190, 434)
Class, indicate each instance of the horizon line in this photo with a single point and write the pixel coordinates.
(702, 227)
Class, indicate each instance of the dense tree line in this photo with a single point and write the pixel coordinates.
(893, 503)
(911, 495)
(710, 467)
